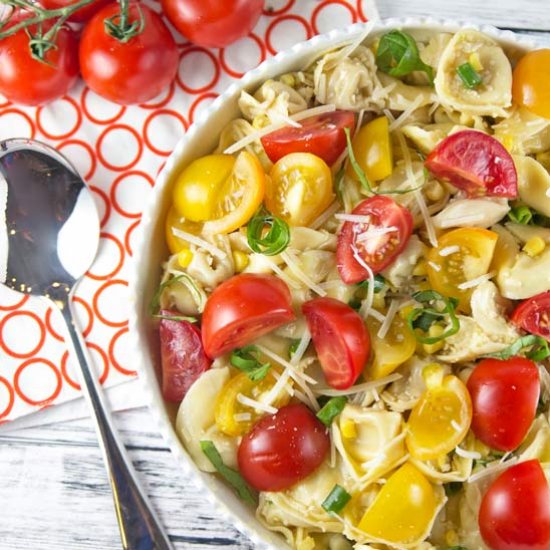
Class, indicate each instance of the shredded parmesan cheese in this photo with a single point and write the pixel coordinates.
(252, 403)
(367, 386)
(392, 310)
(455, 425)
(293, 265)
(301, 349)
(269, 397)
(373, 232)
(242, 417)
(326, 215)
(477, 281)
(474, 455)
(434, 266)
(201, 243)
(366, 306)
(353, 218)
(448, 250)
(406, 114)
(376, 314)
(277, 358)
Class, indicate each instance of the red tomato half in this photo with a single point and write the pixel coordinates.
(322, 135)
(79, 16)
(476, 163)
(283, 448)
(515, 511)
(213, 23)
(504, 399)
(242, 309)
(128, 72)
(376, 241)
(25, 80)
(340, 338)
(182, 357)
(533, 315)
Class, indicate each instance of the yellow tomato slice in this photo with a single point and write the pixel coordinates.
(530, 85)
(462, 255)
(173, 220)
(441, 418)
(299, 188)
(197, 188)
(373, 151)
(397, 346)
(403, 509)
(239, 197)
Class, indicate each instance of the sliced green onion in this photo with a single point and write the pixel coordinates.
(469, 76)
(338, 182)
(419, 318)
(379, 284)
(332, 409)
(267, 234)
(336, 500)
(398, 55)
(538, 349)
(246, 359)
(521, 214)
(231, 476)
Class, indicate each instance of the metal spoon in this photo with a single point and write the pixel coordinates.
(49, 234)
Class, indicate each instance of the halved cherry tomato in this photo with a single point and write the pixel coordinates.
(530, 83)
(533, 315)
(323, 135)
(441, 418)
(403, 509)
(504, 397)
(515, 511)
(472, 259)
(476, 163)
(340, 338)
(242, 309)
(80, 15)
(376, 240)
(299, 188)
(283, 448)
(182, 357)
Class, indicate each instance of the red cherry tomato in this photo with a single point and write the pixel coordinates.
(212, 23)
(182, 357)
(368, 242)
(476, 163)
(504, 399)
(27, 81)
(283, 448)
(128, 72)
(242, 309)
(533, 315)
(79, 16)
(515, 511)
(323, 135)
(340, 338)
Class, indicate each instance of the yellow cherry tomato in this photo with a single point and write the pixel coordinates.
(403, 509)
(299, 188)
(173, 220)
(441, 418)
(397, 346)
(530, 87)
(197, 188)
(461, 255)
(373, 151)
(239, 196)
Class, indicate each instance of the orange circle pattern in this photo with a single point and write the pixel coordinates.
(111, 143)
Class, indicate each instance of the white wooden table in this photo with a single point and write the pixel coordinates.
(54, 493)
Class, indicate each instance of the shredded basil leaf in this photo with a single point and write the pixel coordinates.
(521, 214)
(425, 320)
(336, 499)
(154, 306)
(469, 76)
(231, 476)
(332, 409)
(398, 55)
(267, 234)
(538, 349)
(379, 284)
(246, 359)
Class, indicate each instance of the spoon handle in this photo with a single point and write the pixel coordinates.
(139, 526)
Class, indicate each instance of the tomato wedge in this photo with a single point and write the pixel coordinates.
(379, 232)
(182, 356)
(340, 338)
(323, 135)
(504, 399)
(242, 309)
(475, 163)
(533, 315)
(515, 511)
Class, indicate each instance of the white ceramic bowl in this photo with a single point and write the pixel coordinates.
(151, 251)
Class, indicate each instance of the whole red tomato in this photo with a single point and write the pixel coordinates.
(79, 16)
(515, 511)
(283, 448)
(213, 23)
(128, 72)
(26, 80)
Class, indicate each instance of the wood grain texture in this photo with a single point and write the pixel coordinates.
(54, 493)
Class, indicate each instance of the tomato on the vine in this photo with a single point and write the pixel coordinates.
(211, 23)
(127, 70)
(79, 16)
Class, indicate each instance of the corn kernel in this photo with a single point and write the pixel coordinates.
(475, 62)
(288, 79)
(451, 538)
(241, 260)
(260, 121)
(420, 269)
(348, 429)
(534, 246)
(435, 330)
(378, 301)
(433, 375)
(404, 312)
(435, 191)
(184, 257)
(507, 141)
